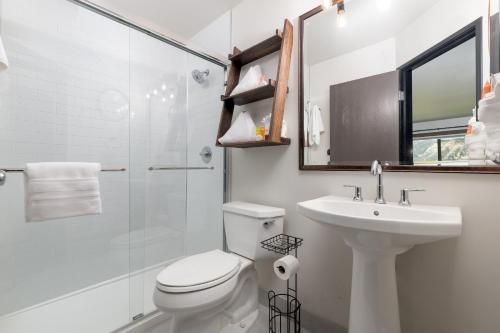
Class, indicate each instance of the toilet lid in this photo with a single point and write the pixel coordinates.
(198, 272)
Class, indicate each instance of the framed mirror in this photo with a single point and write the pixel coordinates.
(399, 81)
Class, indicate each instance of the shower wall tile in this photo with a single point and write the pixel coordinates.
(64, 98)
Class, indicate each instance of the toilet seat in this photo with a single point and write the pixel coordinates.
(198, 272)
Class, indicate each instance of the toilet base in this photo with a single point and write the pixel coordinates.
(237, 313)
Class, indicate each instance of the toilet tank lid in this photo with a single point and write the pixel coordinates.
(253, 210)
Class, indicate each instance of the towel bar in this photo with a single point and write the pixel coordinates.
(3, 172)
(180, 168)
(22, 170)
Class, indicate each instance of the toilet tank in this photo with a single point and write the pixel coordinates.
(248, 224)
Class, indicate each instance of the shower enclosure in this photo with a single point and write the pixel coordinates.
(85, 87)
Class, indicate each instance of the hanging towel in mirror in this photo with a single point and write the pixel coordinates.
(313, 125)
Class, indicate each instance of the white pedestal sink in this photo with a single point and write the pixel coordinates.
(377, 234)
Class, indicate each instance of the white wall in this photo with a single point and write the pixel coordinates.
(446, 287)
(368, 61)
(215, 38)
(428, 29)
(136, 18)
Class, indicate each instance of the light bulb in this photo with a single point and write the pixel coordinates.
(384, 5)
(341, 19)
(327, 4)
(148, 96)
(164, 87)
(155, 92)
(163, 99)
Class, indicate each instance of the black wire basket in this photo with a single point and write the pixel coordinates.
(282, 244)
(284, 313)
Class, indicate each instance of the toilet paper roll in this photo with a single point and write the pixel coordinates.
(286, 267)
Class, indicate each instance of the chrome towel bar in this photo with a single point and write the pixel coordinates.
(4, 172)
(179, 168)
(22, 170)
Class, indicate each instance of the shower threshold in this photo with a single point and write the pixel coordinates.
(101, 308)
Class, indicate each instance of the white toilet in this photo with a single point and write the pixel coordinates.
(216, 292)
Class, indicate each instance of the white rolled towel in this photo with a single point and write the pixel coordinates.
(60, 190)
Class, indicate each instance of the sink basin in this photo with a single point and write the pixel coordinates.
(377, 234)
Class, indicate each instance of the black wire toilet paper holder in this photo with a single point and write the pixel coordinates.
(284, 309)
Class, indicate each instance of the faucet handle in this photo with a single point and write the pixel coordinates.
(358, 195)
(405, 196)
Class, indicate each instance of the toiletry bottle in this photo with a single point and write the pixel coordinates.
(260, 131)
(267, 123)
(475, 139)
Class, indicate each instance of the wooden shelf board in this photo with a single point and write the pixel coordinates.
(258, 51)
(253, 95)
(254, 144)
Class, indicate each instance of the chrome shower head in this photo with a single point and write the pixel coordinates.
(200, 76)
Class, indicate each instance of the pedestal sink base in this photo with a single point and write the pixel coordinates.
(374, 295)
(377, 234)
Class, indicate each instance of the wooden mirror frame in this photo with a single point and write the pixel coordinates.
(393, 168)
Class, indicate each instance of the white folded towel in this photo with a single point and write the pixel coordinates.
(59, 190)
(242, 130)
(251, 80)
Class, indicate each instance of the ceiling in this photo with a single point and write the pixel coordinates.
(367, 24)
(180, 19)
(445, 87)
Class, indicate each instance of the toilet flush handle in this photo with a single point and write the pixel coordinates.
(269, 223)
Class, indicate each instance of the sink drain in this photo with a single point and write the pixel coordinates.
(376, 213)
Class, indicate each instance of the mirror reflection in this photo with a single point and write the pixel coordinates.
(401, 81)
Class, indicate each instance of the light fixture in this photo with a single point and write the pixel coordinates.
(4, 62)
(341, 19)
(384, 5)
(148, 96)
(327, 4)
(164, 87)
(155, 92)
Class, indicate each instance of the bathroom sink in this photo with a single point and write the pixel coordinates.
(419, 224)
(377, 233)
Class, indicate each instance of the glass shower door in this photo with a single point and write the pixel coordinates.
(177, 173)
(64, 98)
(157, 142)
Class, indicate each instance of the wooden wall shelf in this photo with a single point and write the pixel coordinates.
(276, 89)
(253, 95)
(258, 51)
(254, 144)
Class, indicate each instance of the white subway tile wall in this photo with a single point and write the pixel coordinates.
(64, 98)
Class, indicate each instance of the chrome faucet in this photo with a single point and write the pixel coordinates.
(377, 170)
